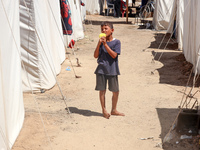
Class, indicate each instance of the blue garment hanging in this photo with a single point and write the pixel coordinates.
(66, 17)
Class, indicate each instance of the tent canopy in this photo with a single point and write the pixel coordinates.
(11, 99)
(42, 43)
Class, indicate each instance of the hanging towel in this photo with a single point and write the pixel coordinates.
(66, 17)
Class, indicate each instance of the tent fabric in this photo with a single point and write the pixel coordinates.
(42, 43)
(76, 20)
(188, 27)
(58, 42)
(180, 23)
(11, 98)
(83, 10)
(191, 33)
(164, 15)
(93, 6)
(168, 12)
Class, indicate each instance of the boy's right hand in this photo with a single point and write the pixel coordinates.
(102, 40)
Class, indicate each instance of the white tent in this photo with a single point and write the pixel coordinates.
(188, 26)
(42, 43)
(191, 32)
(166, 13)
(180, 23)
(83, 11)
(11, 99)
(93, 6)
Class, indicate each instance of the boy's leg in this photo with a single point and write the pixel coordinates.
(114, 105)
(101, 82)
(114, 87)
(103, 104)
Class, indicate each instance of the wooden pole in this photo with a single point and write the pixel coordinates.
(127, 11)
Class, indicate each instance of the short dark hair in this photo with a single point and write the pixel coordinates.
(107, 23)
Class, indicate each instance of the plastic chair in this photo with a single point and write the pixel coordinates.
(111, 6)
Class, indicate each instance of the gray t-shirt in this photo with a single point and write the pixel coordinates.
(106, 64)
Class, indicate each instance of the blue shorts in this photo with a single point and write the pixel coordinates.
(101, 82)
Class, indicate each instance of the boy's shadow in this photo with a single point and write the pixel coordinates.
(84, 112)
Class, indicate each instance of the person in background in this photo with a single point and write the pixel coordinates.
(101, 4)
(133, 2)
(117, 8)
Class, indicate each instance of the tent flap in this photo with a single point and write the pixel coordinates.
(11, 98)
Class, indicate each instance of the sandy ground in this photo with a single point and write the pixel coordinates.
(150, 94)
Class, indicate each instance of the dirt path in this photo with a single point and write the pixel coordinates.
(148, 100)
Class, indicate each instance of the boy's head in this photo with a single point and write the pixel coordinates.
(106, 23)
(107, 28)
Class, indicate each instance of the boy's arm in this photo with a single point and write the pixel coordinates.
(96, 52)
(112, 53)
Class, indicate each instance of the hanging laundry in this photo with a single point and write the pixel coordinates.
(82, 4)
(66, 17)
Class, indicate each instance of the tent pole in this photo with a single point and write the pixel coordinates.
(127, 11)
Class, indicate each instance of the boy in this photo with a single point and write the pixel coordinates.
(107, 51)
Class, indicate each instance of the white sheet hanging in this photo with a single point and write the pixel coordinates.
(83, 11)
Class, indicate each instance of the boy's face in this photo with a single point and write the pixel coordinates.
(107, 30)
